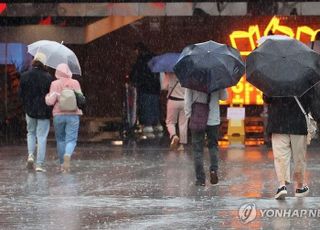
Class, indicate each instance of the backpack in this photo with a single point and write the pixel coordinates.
(68, 100)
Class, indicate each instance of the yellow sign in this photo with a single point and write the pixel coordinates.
(237, 38)
(246, 41)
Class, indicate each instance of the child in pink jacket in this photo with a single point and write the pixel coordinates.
(66, 124)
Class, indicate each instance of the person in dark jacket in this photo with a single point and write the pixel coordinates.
(315, 45)
(148, 89)
(34, 85)
(288, 128)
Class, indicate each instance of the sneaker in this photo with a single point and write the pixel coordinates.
(147, 129)
(66, 163)
(40, 169)
(281, 193)
(174, 142)
(301, 192)
(158, 128)
(200, 183)
(214, 177)
(181, 148)
(149, 136)
(30, 161)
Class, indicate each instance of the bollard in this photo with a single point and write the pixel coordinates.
(236, 130)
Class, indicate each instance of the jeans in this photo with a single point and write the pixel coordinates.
(66, 130)
(149, 109)
(198, 142)
(38, 130)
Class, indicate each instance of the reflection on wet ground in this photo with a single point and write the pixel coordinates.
(148, 187)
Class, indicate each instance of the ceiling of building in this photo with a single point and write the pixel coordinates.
(81, 21)
(48, 20)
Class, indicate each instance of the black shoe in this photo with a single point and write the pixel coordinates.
(301, 192)
(200, 183)
(281, 193)
(214, 177)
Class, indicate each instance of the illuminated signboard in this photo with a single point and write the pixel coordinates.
(246, 41)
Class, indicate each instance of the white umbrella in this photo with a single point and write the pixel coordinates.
(274, 37)
(54, 53)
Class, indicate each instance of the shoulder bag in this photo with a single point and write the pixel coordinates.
(199, 115)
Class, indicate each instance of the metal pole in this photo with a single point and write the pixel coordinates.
(6, 89)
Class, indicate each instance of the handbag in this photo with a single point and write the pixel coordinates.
(199, 116)
(311, 123)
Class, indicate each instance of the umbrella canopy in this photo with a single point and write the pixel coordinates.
(209, 66)
(283, 68)
(274, 37)
(55, 53)
(163, 63)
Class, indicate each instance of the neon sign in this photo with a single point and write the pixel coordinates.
(246, 41)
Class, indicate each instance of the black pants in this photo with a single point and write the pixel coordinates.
(198, 142)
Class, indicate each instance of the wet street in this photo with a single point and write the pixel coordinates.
(150, 187)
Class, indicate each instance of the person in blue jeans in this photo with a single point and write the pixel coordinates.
(37, 133)
(66, 131)
(212, 131)
(66, 123)
(34, 85)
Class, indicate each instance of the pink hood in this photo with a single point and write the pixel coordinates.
(63, 71)
(64, 79)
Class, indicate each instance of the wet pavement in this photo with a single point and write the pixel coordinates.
(150, 187)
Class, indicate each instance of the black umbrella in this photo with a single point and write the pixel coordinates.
(282, 68)
(209, 66)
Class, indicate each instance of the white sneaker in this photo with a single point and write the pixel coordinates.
(158, 128)
(148, 129)
(30, 161)
(40, 169)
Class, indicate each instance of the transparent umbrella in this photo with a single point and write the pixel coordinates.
(55, 53)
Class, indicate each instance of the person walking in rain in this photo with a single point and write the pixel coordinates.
(288, 128)
(212, 132)
(315, 45)
(34, 86)
(66, 123)
(175, 112)
(148, 90)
